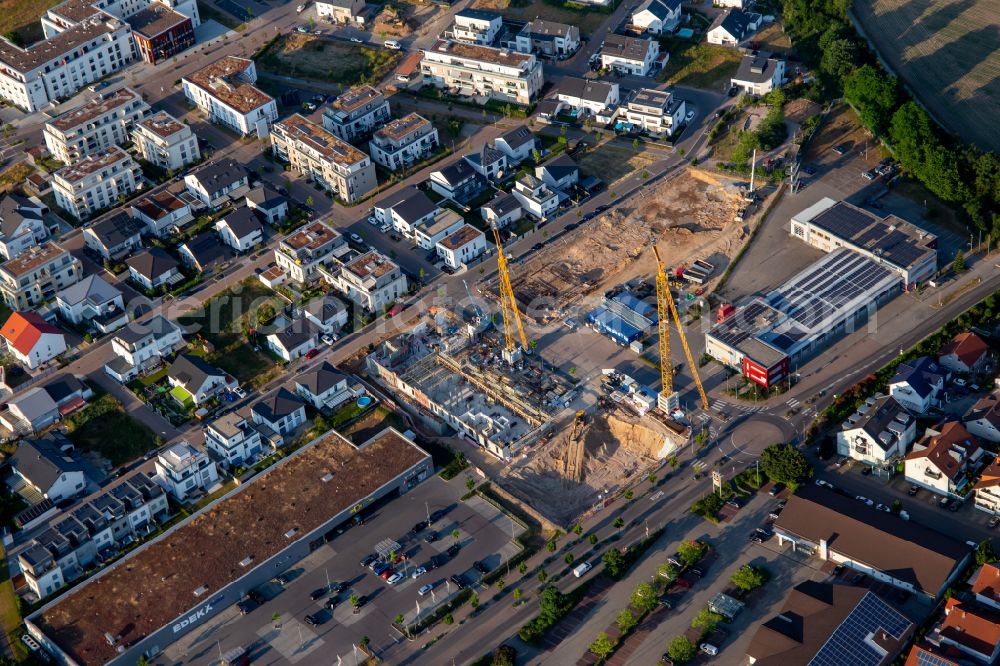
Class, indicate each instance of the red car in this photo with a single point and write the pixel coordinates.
(312, 353)
(385, 574)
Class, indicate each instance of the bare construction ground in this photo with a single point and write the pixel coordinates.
(948, 51)
(690, 217)
(618, 447)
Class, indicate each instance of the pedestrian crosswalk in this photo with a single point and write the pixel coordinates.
(699, 465)
(721, 406)
(793, 403)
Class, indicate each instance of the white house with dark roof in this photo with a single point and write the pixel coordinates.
(917, 384)
(281, 411)
(198, 378)
(405, 210)
(43, 465)
(457, 181)
(476, 26)
(632, 55)
(225, 91)
(488, 162)
(462, 246)
(327, 313)
(444, 223)
(215, 183)
(22, 224)
(269, 204)
(204, 252)
(548, 38)
(184, 470)
(502, 210)
(759, 73)
(296, 339)
(560, 173)
(163, 213)
(732, 27)
(879, 432)
(983, 418)
(517, 144)
(588, 96)
(234, 439)
(535, 197)
(153, 268)
(657, 16)
(241, 229)
(403, 141)
(140, 346)
(325, 387)
(944, 459)
(655, 111)
(114, 236)
(93, 300)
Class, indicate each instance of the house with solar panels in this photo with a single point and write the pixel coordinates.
(769, 336)
(889, 241)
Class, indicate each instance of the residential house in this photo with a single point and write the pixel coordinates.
(535, 197)
(841, 530)
(502, 210)
(327, 313)
(153, 268)
(457, 181)
(483, 71)
(215, 183)
(334, 164)
(879, 432)
(268, 203)
(184, 470)
(985, 585)
(759, 73)
(103, 122)
(560, 173)
(96, 182)
(280, 411)
(114, 236)
(631, 55)
(987, 489)
(22, 224)
(517, 144)
(342, 11)
(93, 301)
(462, 246)
(655, 111)
(325, 388)
(972, 629)
(983, 418)
(45, 465)
(476, 26)
(163, 213)
(488, 162)
(32, 340)
(356, 112)
(234, 439)
(301, 253)
(161, 33)
(404, 141)
(444, 223)
(204, 252)
(141, 346)
(241, 229)
(225, 91)
(732, 27)
(405, 210)
(657, 16)
(917, 384)
(944, 460)
(371, 280)
(818, 620)
(966, 352)
(30, 412)
(731, 4)
(166, 142)
(197, 379)
(36, 274)
(548, 38)
(588, 97)
(296, 339)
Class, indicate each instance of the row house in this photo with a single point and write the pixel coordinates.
(166, 142)
(588, 96)
(356, 112)
(403, 142)
(631, 55)
(36, 274)
(102, 122)
(405, 210)
(225, 91)
(474, 70)
(153, 269)
(461, 247)
(548, 38)
(983, 418)
(164, 212)
(216, 183)
(444, 223)
(96, 182)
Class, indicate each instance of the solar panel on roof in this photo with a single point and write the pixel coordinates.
(927, 659)
(847, 646)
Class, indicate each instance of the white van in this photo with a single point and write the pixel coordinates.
(582, 569)
(392, 44)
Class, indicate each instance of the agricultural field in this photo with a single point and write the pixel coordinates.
(326, 60)
(948, 53)
(699, 65)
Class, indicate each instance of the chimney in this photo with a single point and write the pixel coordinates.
(824, 550)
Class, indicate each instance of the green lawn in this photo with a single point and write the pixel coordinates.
(699, 65)
(105, 427)
(182, 396)
(326, 60)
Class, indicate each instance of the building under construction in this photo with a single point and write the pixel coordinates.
(463, 381)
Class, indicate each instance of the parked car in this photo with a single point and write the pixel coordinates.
(394, 578)
(695, 571)
(422, 525)
(318, 593)
(453, 550)
(689, 116)
(480, 566)
(313, 619)
(424, 589)
(247, 606)
(913, 490)
(302, 29)
(392, 44)
(257, 597)
(356, 40)
(240, 393)
(387, 574)
(994, 521)
(379, 568)
(331, 603)
(868, 175)
(357, 239)
(369, 560)
(312, 353)
(777, 488)
(866, 470)
(808, 169)
(437, 515)
(883, 507)
(337, 588)
(282, 578)
(458, 581)
(954, 506)
(418, 572)
(430, 537)
(865, 500)
(709, 649)
(840, 148)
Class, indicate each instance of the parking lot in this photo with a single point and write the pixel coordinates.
(484, 537)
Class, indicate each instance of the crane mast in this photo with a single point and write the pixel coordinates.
(512, 328)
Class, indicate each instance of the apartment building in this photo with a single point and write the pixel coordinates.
(160, 32)
(234, 439)
(334, 164)
(140, 346)
(878, 433)
(476, 70)
(225, 91)
(403, 142)
(22, 224)
(356, 112)
(371, 280)
(184, 470)
(166, 142)
(655, 111)
(36, 274)
(302, 252)
(630, 55)
(99, 124)
(96, 182)
(476, 26)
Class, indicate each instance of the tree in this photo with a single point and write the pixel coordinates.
(504, 655)
(690, 552)
(959, 264)
(614, 562)
(785, 464)
(535, 156)
(602, 646)
(839, 58)
(517, 594)
(551, 546)
(706, 621)
(501, 583)
(470, 484)
(651, 478)
(399, 619)
(421, 274)
(542, 575)
(626, 621)
(448, 619)
(873, 93)
(984, 553)
(141, 661)
(454, 535)
(276, 619)
(644, 597)
(635, 145)
(522, 568)
(628, 494)
(578, 529)
(592, 539)
(354, 600)
(667, 572)
(748, 577)
(619, 522)
(365, 642)
(309, 201)
(681, 649)
(569, 558)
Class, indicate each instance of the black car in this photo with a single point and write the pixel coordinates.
(756, 537)
(732, 91)
(695, 571)
(314, 619)
(247, 606)
(437, 515)
(431, 537)
(282, 578)
(954, 506)
(537, 246)
(368, 560)
(572, 226)
(362, 600)
(481, 566)
(458, 581)
(318, 594)
(913, 490)
(337, 588)
(331, 603)
(419, 526)
(256, 596)
(453, 550)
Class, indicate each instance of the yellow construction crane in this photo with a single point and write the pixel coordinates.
(665, 306)
(508, 304)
